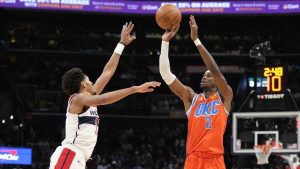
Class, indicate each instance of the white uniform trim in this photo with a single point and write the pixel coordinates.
(192, 105)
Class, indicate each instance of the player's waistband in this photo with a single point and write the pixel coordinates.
(204, 154)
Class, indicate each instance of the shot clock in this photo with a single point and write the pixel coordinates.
(268, 82)
(274, 77)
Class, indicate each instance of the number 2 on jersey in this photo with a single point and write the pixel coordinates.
(208, 124)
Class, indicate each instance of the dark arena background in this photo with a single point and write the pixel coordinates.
(256, 45)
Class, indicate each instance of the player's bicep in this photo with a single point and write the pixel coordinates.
(185, 93)
(102, 82)
(90, 100)
(227, 101)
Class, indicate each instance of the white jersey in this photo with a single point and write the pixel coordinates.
(82, 129)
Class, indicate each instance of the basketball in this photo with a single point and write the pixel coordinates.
(168, 16)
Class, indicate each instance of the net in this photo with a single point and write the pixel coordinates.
(262, 153)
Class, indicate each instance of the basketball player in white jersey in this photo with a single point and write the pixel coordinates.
(82, 119)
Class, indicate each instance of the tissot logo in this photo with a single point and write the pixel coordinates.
(270, 96)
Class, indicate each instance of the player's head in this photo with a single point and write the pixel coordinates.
(74, 81)
(207, 82)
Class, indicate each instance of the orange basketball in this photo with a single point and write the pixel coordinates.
(168, 16)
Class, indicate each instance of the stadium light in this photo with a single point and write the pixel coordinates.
(3, 121)
(11, 117)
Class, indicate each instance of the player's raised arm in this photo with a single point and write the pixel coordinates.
(185, 93)
(112, 64)
(112, 97)
(224, 89)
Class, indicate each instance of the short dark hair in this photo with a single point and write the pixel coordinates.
(71, 80)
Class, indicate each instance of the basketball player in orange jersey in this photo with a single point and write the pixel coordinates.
(207, 112)
(82, 118)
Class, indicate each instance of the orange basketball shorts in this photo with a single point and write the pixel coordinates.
(194, 161)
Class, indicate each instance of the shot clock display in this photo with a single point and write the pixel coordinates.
(269, 82)
(274, 77)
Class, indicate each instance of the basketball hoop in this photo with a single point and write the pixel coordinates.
(262, 153)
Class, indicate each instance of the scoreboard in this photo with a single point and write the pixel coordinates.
(274, 77)
(268, 82)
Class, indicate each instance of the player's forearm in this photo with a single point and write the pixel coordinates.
(113, 62)
(164, 64)
(211, 65)
(107, 73)
(112, 97)
(111, 66)
(109, 69)
(208, 59)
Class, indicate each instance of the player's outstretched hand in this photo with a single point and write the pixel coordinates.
(169, 34)
(126, 38)
(194, 28)
(147, 87)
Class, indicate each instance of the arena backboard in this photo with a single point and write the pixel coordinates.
(281, 129)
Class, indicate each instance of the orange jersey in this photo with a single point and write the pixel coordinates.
(206, 125)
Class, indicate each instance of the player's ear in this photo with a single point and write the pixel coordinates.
(82, 84)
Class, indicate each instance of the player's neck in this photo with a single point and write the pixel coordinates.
(208, 93)
(82, 90)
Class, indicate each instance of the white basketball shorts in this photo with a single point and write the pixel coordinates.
(67, 157)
